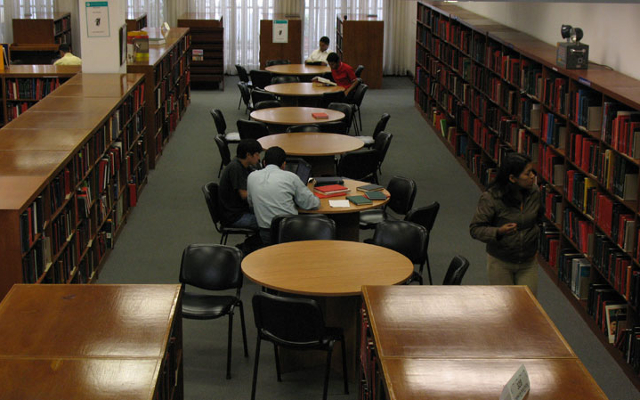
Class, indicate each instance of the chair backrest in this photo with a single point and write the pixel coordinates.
(305, 128)
(277, 62)
(303, 227)
(403, 193)
(346, 109)
(405, 237)
(358, 96)
(425, 216)
(242, 73)
(252, 129)
(359, 165)
(210, 191)
(245, 93)
(266, 104)
(260, 78)
(288, 321)
(334, 127)
(359, 70)
(457, 268)
(218, 119)
(381, 144)
(331, 97)
(275, 227)
(211, 266)
(381, 125)
(223, 147)
(258, 95)
(284, 79)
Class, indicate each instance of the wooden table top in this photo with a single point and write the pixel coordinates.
(480, 379)
(325, 208)
(462, 322)
(312, 143)
(295, 115)
(325, 267)
(301, 89)
(42, 139)
(298, 69)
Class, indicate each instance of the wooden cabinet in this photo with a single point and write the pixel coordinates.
(167, 86)
(136, 21)
(490, 90)
(207, 48)
(101, 342)
(71, 167)
(36, 36)
(292, 50)
(360, 41)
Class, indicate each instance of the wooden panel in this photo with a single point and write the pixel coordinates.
(362, 44)
(291, 51)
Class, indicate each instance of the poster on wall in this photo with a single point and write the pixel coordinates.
(280, 31)
(97, 18)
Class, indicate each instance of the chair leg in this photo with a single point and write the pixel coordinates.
(429, 271)
(360, 119)
(220, 170)
(223, 238)
(344, 365)
(277, 356)
(244, 329)
(255, 370)
(229, 345)
(240, 101)
(326, 372)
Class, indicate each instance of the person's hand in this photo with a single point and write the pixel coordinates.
(508, 229)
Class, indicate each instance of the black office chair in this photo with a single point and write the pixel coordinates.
(260, 78)
(210, 191)
(266, 104)
(381, 145)
(457, 268)
(408, 239)
(295, 228)
(304, 128)
(359, 70)
(360, 165)
(334, 127)
(295, 323)
(252, 129)
(284, 79)
(221, 126)
(258, 95)
(346, 109)
(403, 193)
(332, 97)
(244, 78)
(225, 154)
(380, 126)
(213, 267)
(425, 216)
(277, 62)
(245, 96)
(356, 103)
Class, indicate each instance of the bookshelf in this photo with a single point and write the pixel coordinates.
(24, 85)
(207, 42)
(292, 50)
(360, 41)
(489, 90)
(168, 90)
(56, 342)
(71, 168)
(36, 36)
(136, 21)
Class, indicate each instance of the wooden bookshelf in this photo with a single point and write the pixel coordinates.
(207, 36)
(167, 76)
(136, 21)
(292, 50)
(490, 90)
(24, 85)
(36, 36)
(101, 342)
(71, 168)
(360, 41)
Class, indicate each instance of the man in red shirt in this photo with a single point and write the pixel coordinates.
(342, 73)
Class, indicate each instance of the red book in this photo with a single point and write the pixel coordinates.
(133, 195)
(320, 115)
(331, 189)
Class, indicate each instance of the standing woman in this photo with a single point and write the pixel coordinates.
(507, 219)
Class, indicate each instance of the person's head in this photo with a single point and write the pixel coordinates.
(324, 43)
(333, 59)
(249, 151)
(516, 172)
(64, 48)
(275, 156)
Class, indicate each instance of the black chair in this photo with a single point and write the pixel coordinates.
(244, 78)
(356, 103)
(346, 109)
(457, 268)
(359, 165)
(245, 96)
(381, 145)
(295, 228)
(221, 126)
(258, 95)
(332, 97)
(266, 104)
(260, 78)
(380, 126)
(252, 129)
(213, 267)
(225, 154)
(334, 127)
(277, 62)
(408, 239)
(295, 323)
(284, 79)
(359, 70)
(210, 191)
(403, 193)
(305, 128)
(425, 216)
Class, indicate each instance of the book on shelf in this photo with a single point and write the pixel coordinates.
(332, 189)
(320, 115)
(325, 81)
(369, 188)
(359, 200)
(197, 55)
(615, 314)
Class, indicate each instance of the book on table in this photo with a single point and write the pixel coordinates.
(320, 115)
(369, 188)
(375, 195)
(359, 200)
(325, 81)
(332, 189)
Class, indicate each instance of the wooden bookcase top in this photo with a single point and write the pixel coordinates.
(135, 15)
(158, 52)
(42, 15)
(38, 71)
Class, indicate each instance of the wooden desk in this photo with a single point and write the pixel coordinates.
(91, 341)
(298, 69)
(301, 92)
(317, 148)
(295, 115)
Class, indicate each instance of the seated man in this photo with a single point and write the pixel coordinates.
(274, 191)
(234, 208)
(66, 58)
(342, 74)
(320, 54)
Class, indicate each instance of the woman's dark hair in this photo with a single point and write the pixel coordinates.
(512, 164)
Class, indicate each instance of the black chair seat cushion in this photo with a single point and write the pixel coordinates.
(202, 306)
(370, 218)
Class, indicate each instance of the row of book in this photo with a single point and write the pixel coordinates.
(31, 88)
(31, 223)
(621, 128)
(368, 359)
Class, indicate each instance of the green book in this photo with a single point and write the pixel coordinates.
(375, 195)
(359, 200)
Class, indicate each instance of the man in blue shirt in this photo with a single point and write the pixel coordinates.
(273, 191)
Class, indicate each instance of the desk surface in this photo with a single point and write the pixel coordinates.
(298, 69)
(301, 89)
(312, 143)
(462, 322)
(295, 115)
(325, 208)
(325, 267)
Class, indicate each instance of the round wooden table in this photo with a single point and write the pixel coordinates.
(295, 115)
(301, 93)
(312, 143)
(298, 69)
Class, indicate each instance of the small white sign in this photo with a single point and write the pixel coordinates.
(97, 18)
(280, 31)
(518, 386)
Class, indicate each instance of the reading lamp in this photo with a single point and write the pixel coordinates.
(572, 54)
